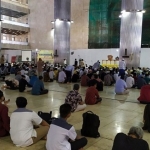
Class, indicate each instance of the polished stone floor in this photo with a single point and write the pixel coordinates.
(117, 114)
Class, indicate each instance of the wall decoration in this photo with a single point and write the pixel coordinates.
(26, 55)
(46, 55)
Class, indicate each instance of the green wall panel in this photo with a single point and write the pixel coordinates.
(146, 25)
(104, 23)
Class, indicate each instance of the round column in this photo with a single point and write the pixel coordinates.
(62, 16)
(131, 31)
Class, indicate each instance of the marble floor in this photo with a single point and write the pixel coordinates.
(117, 114)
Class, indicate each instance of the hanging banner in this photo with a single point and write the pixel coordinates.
(46, 55)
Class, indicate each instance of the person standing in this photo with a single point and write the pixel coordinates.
(69, 72)
(40, 64)
(65, 62)
(82, 63)
(76, 62)
(122, 67)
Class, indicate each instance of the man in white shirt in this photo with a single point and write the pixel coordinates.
(61, 76)
(65, 62)
(130, 81)
(122, 67)
(23, 123)
(61, 135)
(51, 75)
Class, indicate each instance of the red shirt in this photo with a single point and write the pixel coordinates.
(91, 95)
(4, 120)
(84, 80)
(145, 94)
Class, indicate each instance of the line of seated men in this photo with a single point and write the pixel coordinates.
(35, 85)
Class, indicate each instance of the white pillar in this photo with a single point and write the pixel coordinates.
(131, 31)
(62, 15)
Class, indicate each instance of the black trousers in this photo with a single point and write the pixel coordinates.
(76, 145)
(51, 80)
(68, 74)
(142, 102)
(44, 92)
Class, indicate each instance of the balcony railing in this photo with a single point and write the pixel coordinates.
(18, 3)
(15, 23)
(14, 42)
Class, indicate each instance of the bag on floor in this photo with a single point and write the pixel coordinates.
(46, 116)
(90, 125)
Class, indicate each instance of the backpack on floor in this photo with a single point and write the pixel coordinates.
(46, 116)
(90, 125)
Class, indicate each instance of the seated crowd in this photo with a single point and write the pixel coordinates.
(27, 130)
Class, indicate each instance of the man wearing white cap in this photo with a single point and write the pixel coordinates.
(122, 67)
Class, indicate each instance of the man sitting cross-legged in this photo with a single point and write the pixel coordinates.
(38, 87)
(92, 96)
(121, 86)
(61, 135)
(75, 99)
(23, 123)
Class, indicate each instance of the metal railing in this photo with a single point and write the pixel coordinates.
(15, 23)
(18, 3)
(14, 42)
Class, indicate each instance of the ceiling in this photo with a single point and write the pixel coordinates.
(11, 13)
(12, 31)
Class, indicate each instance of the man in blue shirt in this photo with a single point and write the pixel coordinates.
(38, 87)
(33, 79)
(121, 86)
